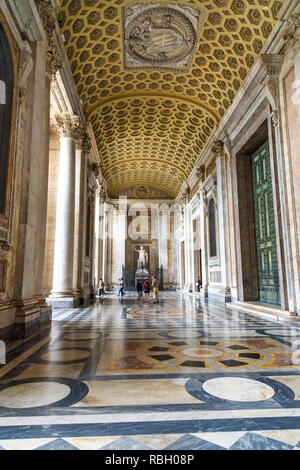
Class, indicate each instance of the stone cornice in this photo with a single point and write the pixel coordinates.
(28, 19)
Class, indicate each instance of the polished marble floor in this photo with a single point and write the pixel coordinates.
(185, 374)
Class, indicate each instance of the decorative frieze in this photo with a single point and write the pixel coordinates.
(22, 96)
(53, 62)
(87, 144)
(69, 126)
(102, 191)
(200, 173)
(5, 246)
(47, 15)
(269, 77)
(96, 170)
(186, 196)
(275, 118)
(48, 18)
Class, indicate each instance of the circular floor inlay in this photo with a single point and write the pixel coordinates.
(238, 389)
(29, 395)
(81, 336)
(197, 352)
(65, 355)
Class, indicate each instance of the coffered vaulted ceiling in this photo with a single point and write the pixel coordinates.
(152, 111)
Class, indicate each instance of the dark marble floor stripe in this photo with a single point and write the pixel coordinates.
(149, 428)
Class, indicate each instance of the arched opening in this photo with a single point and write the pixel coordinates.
(6, 112)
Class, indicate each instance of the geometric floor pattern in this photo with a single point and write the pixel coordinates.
(186, 374)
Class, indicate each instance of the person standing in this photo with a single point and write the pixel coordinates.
(147, 290)
(101, 287)
(139, 288)
(121, 287)
(198, 283)
(155, 289)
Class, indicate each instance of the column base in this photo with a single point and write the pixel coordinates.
(57, 300)
(30, 316)
(188, 287)
(7, 320)
(222, 294)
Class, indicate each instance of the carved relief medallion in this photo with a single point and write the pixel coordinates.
(160, 35)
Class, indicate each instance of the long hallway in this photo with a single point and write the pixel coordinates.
(185, 374)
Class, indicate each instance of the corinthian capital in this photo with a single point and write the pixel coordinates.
(217, 148)
(292, 33)
(69, 126)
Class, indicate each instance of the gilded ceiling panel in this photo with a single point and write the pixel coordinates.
(196, 58)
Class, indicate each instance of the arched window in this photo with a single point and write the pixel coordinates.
(212, 229)
(6, 112)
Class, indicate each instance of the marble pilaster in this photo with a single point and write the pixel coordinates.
(203, 241)
(28, 290)
(120, 236)
(188, 247)
(223, 219)
(83, 154)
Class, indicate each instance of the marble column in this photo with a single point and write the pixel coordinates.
(109, 239)
(223, 222)
(163, 238)
(107, 244)
(63, 293)
(120, 236)
(96, 239)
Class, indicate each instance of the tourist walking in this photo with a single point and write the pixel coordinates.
(121, 287)
(147, 290)
(198, 283)
(139, 288)
(155, 289)
(101, 287)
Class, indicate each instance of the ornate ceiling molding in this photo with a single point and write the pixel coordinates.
(232, 36)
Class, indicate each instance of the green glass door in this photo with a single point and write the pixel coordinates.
(265, 226)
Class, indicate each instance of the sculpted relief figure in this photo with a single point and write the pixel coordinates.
(161, 35)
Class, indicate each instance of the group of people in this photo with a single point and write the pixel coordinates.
(147, 287)
(141, 287)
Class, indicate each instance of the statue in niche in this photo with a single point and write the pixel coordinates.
(143, 257)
